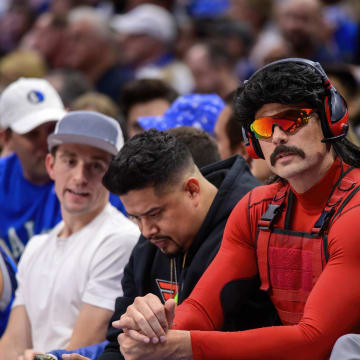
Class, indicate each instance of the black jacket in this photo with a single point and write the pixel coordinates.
(148, 269)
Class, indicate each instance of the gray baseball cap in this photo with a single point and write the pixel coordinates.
(88, 128)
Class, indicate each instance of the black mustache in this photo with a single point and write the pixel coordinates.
(159, 237)
(285, 149)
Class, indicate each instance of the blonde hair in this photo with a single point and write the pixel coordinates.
(97, 102)
(21, 63)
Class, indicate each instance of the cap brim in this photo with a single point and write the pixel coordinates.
(128, 25)
(59, 139)
(35, 119)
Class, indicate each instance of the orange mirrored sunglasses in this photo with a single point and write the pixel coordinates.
(289, 121)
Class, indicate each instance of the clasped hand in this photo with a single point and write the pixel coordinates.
(147, 319)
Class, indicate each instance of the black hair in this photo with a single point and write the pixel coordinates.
(233, 126)
(219, 55)
(288, 83)
(202, 146)
(225, 28)
(346, 77)
(144, 90)
(153, 158)
(54, 150)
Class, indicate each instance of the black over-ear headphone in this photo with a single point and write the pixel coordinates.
(334, 116)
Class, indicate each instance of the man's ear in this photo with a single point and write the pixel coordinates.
(192, 187)
(49, 165)
(5, 136)
(6, 142)
(241, 150)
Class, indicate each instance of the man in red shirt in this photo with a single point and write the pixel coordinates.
(298, 235)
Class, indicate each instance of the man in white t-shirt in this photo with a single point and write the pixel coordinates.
(73, 274)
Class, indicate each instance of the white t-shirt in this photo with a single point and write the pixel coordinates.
(56, 275)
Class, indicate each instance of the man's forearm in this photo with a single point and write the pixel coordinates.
(180, 342)
(17, 336)
(10, 350)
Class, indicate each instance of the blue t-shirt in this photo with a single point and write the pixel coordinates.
(8, 270)
(27, 209)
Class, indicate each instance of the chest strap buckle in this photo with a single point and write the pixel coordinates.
(270, 216)
(323, 221)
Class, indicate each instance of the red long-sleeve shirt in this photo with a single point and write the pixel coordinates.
(332, 309)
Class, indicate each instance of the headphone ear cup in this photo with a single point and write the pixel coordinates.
(337, 114)
(252, 145)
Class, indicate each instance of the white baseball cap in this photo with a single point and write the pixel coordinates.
(28, 103)
(88, 128)
(148, 19)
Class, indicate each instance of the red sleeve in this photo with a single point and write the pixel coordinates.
(332, 308)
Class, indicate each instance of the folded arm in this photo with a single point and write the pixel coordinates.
(17, 337)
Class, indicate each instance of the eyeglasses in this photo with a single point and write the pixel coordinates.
(289, 121)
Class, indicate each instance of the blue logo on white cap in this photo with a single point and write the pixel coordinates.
(35, 96)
